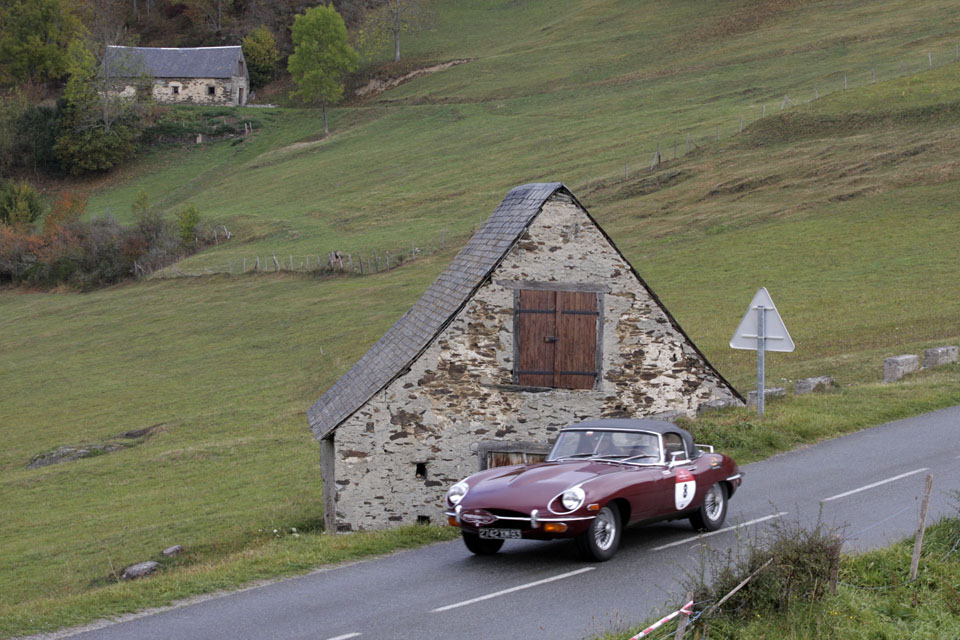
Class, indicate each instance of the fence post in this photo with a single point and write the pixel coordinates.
(688, 143)
(656, 158)
(930, 58)
(276, 263)
(684, 617)
(763, 110)
(244, 268)
(258, 263)
(442, 239)
(741, 124)
(918, 544)
(388, 261)
(291, 262)
(350, 261)
(873, 76)
(718, 132)
(844, 81)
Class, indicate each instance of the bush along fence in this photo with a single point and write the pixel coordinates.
(332, 263)
(686, 140)
(789, 564)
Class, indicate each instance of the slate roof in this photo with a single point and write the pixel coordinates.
(393, 354)
(195, 62)
(412, 333)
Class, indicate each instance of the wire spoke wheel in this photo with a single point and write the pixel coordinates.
(602, 538)
(713, 511)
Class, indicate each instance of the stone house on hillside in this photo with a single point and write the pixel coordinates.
(538, 322)
(199, 75)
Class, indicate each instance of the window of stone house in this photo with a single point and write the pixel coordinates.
(557, 338)
(211, 90)
(176, 89)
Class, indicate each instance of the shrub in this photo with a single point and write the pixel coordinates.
(801, 562)
(188, 219)
(68, 207)
(20, 203)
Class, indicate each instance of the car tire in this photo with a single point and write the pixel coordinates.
(481, 546)
(713, 511)
(602, 538)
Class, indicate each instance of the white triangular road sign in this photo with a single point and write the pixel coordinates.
(777, 338)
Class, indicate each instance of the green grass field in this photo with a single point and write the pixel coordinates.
(844, 208)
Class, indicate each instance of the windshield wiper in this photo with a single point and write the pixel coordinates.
(574, 455)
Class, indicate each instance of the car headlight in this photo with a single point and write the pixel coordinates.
(572, 499)
(456, 492)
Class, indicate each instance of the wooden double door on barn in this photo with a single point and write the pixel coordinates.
(556, 335)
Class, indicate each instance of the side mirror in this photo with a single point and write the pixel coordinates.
(674, 456)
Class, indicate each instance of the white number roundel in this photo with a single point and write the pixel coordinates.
(685, 489)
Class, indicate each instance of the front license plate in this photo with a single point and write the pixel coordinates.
(500, 534)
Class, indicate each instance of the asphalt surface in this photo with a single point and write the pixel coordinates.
(868, 483)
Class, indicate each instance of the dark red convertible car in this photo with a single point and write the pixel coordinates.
(600, 477)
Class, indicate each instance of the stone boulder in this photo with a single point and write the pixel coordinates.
(939, 356)
(175, 550)
(898, 366)
(139, 570)
(69, 453)
(771, 392)
(810, 385)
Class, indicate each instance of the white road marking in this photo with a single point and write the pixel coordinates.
(512, 589)
(875, 484)
(713, 533)
(345, 636)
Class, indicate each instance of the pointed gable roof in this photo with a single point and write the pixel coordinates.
(393, 354)
(163, 62)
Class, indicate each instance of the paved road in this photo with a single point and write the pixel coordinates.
(870, 481)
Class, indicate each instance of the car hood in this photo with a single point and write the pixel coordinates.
(521, 488)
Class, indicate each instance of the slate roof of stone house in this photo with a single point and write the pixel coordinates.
(163, 62)
(393, 354)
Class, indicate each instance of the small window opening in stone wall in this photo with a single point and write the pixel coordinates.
(423, 519)
(422, 470)
(176, 89)
(211, 90)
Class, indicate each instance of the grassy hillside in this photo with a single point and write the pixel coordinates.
(844, 208)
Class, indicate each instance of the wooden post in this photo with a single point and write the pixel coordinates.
(244, 268)
(291, 262)
(844, 81)
(216, 240)
(718, 132)
(626, 172)
(873, 76)
(276, 263)
(388, 261)
(684, 619)
(376, 261)
(835, 567)
(258, 263)
(350, 261)
(741, 124)
(763, 110)
(816, 93)
(413, 251)
(918, 544)
(656, 158)
(930, 58)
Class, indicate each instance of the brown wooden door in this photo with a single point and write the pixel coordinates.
(556, 337)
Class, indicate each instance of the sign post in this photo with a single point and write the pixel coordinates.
(762, 329)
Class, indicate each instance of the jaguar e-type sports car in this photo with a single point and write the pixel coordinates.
(601, 476)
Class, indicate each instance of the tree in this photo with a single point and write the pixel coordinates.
(20, 203)
(210, 11)
(261, 53)
(321, 55)
(387, 23)
(97, 129)
(34, 37)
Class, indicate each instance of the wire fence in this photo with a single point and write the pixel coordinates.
(357, 263)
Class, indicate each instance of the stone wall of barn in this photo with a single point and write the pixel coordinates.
(397, 455)
(226, 91)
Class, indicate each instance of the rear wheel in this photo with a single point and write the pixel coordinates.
(602, 539)
(713, 511)
(481, 546)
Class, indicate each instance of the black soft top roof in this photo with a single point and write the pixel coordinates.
(638, 424)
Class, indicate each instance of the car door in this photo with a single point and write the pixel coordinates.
(679, 485)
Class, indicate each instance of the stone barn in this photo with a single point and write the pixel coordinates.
(198, 75)
(538, 322)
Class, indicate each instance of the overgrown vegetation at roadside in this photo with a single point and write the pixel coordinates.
(788, 594)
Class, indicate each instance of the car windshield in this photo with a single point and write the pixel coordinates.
(636, 446)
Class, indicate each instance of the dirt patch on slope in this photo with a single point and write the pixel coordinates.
(377, 85)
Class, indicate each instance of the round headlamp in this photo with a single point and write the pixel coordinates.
(456, 492)
(572, 499)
